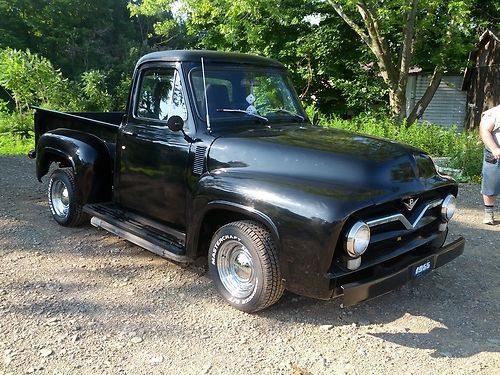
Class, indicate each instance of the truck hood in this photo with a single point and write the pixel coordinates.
(343, 160)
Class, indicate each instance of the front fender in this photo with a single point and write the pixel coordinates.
(85, 153)
(306, 217)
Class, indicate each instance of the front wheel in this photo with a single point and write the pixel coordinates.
(243, 263)
(64, 199)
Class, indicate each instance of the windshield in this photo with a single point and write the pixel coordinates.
(246, 95)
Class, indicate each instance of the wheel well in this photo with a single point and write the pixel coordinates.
(61, 162)
(50, 158)
(216, 219)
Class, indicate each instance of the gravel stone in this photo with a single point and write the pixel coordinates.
(84, 296)
(45, 352)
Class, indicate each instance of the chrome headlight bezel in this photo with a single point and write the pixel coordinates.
(448, 208)
(357, 239)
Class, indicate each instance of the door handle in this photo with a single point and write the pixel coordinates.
(132, 134)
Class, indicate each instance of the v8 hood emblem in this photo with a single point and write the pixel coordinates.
(410, 203)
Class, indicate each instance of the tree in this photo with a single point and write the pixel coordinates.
(303, 34)
(75, 35)
(30, 79)
(399, 33)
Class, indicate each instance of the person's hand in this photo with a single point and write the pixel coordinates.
(496, 153)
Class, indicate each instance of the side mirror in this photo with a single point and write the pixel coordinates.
(175, 123)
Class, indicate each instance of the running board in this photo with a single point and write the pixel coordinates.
(151, 235)
(140, 241)
(135, 223)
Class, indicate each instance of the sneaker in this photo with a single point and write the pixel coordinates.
(489, 219)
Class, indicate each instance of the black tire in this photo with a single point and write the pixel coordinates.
(243, 264)
(65, 199)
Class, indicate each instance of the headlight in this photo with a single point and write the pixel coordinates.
(358, 239)
(448, 208)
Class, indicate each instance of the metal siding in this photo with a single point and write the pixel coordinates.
(447, 107)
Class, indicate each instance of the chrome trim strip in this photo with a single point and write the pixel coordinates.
(402, 218)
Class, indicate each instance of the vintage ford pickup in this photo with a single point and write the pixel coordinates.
(216, 158)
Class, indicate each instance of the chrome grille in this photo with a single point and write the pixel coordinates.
(394, 229)
(417, 217)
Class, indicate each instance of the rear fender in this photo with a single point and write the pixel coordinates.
(85, 153)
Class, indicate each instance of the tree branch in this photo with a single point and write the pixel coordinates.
(350, 22)
(424, 101)
(406, 52)
(378, 45)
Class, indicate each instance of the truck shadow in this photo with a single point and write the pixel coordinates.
(451, 312)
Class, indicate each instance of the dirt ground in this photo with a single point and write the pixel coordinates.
(81, 301)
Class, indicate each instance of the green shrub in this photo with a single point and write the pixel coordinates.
(32, 80)
(17, 123)
(468, 156)
(96, 98)
(11, 144)
(464, 149)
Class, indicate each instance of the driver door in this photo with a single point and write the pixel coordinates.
(153, 159)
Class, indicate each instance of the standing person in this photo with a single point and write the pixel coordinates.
(489, 129)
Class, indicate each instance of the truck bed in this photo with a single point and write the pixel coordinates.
(101, 124)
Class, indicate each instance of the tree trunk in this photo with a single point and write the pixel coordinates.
(424, 101)
(397, 104)
(405, 58)
(396, 77)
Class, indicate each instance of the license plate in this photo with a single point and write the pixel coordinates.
(422, 269)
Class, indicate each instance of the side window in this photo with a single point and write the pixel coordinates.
(160, 95)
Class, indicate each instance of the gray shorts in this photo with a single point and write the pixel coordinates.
(490, 185)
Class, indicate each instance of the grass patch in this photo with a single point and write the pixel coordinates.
(12, 144)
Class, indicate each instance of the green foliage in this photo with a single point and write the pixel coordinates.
(122, 92)
(11, 144)
(75, 35)
(16, 123)
(304, 35)
(78, 36)
(30, 79)
(97, 97)
(446, 34)
(464, 149)
(468, 156)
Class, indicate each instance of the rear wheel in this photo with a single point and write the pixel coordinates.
(64, 199)
(243, 264)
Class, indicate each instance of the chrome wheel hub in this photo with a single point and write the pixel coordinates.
(236, 269)
(60, 198)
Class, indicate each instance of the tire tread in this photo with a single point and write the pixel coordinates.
(76, 215)
(268, 252)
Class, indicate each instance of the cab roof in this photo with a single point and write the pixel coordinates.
(208, 56)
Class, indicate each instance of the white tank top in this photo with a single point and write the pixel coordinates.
(494, 114)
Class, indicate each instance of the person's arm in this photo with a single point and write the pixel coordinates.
(486, 132)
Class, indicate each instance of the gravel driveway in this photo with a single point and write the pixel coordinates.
(81, 301)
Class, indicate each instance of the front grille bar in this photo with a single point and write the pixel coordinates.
(400, 217)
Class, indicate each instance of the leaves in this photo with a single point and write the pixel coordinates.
(29, 79)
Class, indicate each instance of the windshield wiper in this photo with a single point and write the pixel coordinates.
(283, 110)
(243, 111)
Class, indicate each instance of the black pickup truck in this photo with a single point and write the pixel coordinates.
(216, 158)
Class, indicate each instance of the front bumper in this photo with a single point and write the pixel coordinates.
(369, 288)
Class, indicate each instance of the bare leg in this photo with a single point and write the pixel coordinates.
(489, 200)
